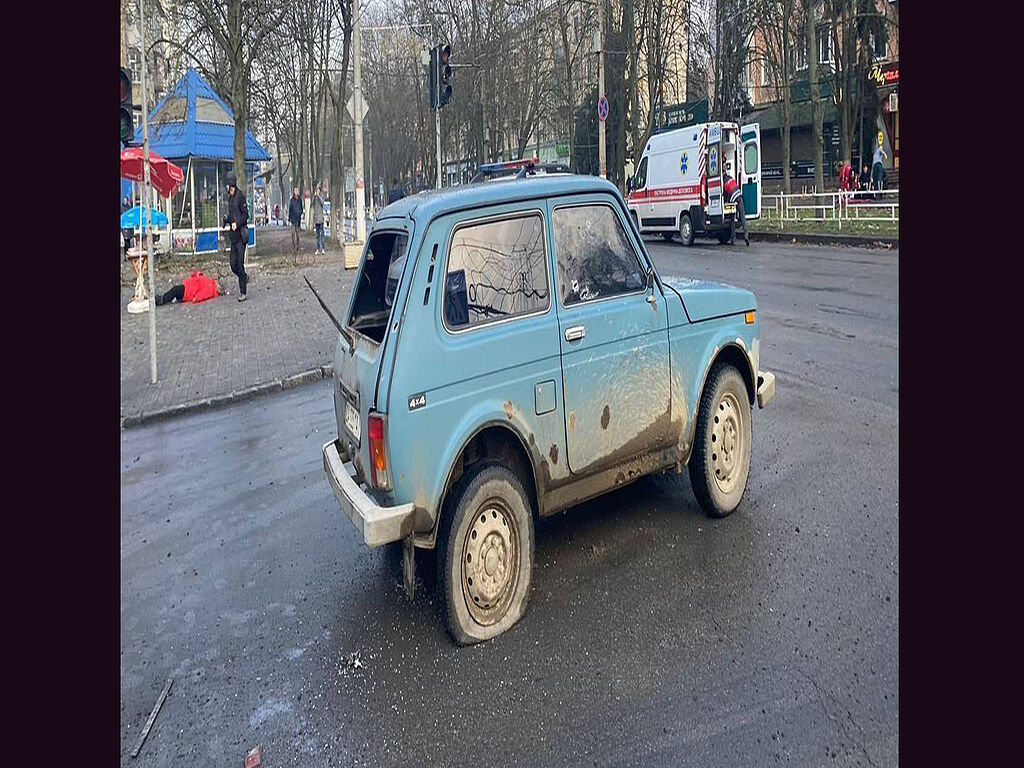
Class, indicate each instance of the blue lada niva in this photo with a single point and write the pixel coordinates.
(509, 350)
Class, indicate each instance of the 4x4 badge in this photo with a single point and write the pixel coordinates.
(417, 401)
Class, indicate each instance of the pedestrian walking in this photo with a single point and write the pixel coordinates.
(238, 220)
(295, 218)
(396, 192)
(318, 219)
(277, 213)
(734, 194)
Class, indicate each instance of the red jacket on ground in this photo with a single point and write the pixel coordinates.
(199, 287)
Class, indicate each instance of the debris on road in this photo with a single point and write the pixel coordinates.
(152, 716)
(350, 662)
(254, 757)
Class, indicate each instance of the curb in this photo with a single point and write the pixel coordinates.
(859, 241)
(278, 385)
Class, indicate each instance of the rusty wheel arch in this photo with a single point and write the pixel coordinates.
(492, 441)
(735, 355)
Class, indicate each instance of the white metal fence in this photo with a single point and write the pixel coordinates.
(871, 205)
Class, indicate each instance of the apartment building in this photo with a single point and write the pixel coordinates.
(878, 91)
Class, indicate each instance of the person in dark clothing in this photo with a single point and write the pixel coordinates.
(864, 181)
(295, 218)
(734, 194)
(318, 220)
(238, 237)
(396, 192)
(127, 234)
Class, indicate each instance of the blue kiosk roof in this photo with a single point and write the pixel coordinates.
(192, 120)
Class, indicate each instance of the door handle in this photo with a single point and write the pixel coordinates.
(575, 333)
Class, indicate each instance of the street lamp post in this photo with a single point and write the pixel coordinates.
(357, 120)
(147, 207)
(602, 148)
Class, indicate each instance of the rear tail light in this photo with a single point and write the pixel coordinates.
(380, 477)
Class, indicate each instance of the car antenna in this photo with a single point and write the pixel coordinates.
(330, 314)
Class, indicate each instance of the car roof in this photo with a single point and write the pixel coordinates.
(427, 205)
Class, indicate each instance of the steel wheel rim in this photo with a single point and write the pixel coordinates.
(490, 562)
(727, 442)
(686, 229)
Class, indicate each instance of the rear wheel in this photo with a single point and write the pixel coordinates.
(486, 564)
(686, 230)
(720, 461)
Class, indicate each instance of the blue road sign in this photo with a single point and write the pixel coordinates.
(602, 108)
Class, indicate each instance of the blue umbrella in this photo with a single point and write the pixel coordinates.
(133, 218)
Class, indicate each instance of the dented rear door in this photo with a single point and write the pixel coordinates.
(614, 342)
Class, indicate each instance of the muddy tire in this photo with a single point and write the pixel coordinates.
(720, 462)
(686, 230)
(485, 560)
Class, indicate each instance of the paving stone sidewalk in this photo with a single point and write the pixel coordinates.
(223, 347)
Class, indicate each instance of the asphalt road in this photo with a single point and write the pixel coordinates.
(655, 636)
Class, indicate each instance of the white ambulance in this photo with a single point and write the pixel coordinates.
(678, 184)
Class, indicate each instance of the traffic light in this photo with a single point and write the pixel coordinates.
(127, 119)
(433, 77)
(445, 88)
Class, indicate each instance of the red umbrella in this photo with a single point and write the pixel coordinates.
(164, 175)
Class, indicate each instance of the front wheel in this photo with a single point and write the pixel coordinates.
(486, 563)
(720, 461)
(686, 229)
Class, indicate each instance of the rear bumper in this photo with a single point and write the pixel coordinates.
(378, 525)
(765, 388)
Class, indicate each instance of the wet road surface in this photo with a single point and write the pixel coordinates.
(654, 636)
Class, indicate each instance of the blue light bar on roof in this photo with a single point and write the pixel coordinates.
(494, 167)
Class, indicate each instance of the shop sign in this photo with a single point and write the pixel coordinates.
(885, 74)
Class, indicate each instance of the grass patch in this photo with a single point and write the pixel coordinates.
(816, 226)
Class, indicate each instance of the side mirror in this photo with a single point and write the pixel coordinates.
(651, 299)
(629, 183)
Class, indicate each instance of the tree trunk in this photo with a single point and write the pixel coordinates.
(787, 99)
(812, 76)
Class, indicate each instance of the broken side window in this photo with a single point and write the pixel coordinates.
(595, 258)
(378, 284)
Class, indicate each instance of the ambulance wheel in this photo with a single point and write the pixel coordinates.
(686, 230)
(668, 236)
(724, 236)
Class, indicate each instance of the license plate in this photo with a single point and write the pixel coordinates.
(730, 208)
(352, 420)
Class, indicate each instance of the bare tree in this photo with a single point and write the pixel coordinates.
(238, 29)
(775, 21)
(810, 26)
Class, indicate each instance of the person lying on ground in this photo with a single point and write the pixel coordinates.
(196, 288)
